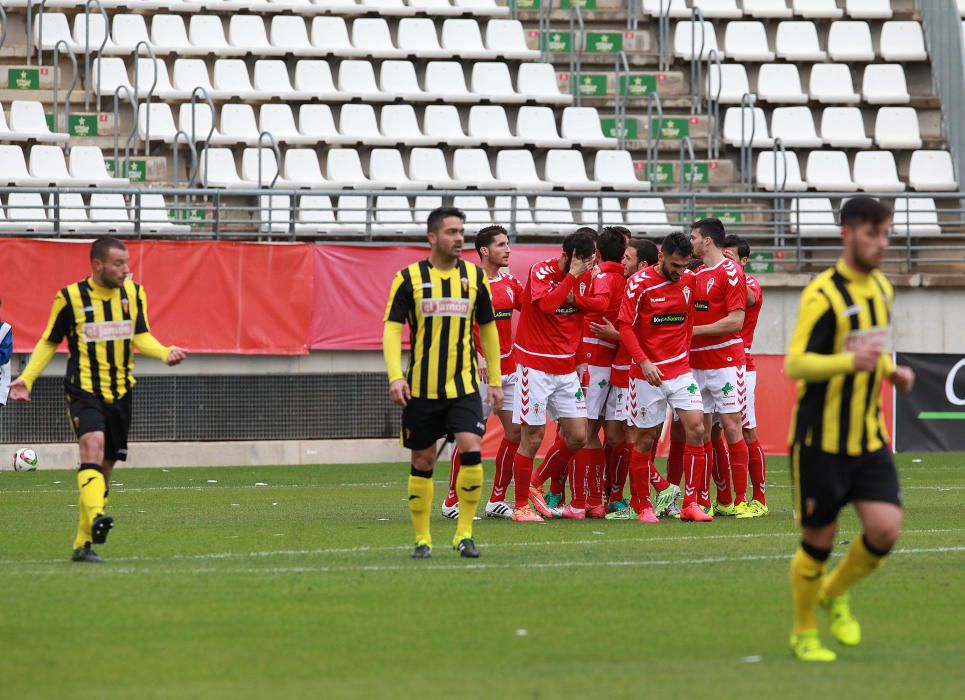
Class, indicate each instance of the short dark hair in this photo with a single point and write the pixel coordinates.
(711, 228)
(860, 210)
(580, 243)
(611, 245)
(622, 230)
(677, 243)
(485, 237)
(646, 250)
(437, 216)
(743, 247)
(102, 246)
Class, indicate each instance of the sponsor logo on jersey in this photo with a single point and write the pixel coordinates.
(566, 311)
(107, 330)
(702, 305)
(658, 299)
(445, 307)
(668, 319)
(503, 314)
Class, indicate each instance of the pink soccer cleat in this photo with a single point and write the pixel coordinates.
(696, 514)
(647, 516)
(536, 496)
(526, 514)
(571, 513)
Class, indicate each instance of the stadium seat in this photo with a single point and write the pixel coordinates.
(14, 171)
(434, 7)
(357, 124)
(932, 171)
(553, 214)
(417, 37)
(197, 121)
(884, 83)
(151, 79)
(386, 170)
(352, 212)
(5, 133)
(393, 214)
(108, 74)
(850, 41)
(238, 124)
(316, 121)
(767, 9)
(780, 83)
(813, 217)
(614, 171)
(798, 41)
(868, 9)
(247, 32)
(490, 126)
(693, 42)
(127, 31)
(109, 211)
(461, 37)
(191, 73)
(565, 169)
(153, 212)
(206, 33)
(301, 169)
(442, 123)
(26, 213)
(600, 211)
(357, 78)
(344, 168)
(517, 167)
(387, 7)
(747, 41)
(897, 127)
(314, 78)
(472, 165)
(475, 207)
(263, 175)
(536, 126)
(718, 9)
(317, 215)
(582, 125)
(169, 34)
(816, 9)
(730, 79)
(48, 165)
(779, 173)
(831, 84)
(795, 127)
(752, 130)
(524, 222)
(216, 167)
(482, 7)
(54, 28)
(428, 166)
(398, 79)
(92, 30)
(270, 79)
(289, 35)
(371, 36)
(676, 9)
(537, 81)
(505, 39)
(843, 127)
(829, 171)
(274, 213)
(902, 41)
(398, 123)
(446, 80)
(492, 81)
(69, 209)
(875, 171)
(28, 121)
(230, 78)
(647, 216)
(87, 167)
(915, 216)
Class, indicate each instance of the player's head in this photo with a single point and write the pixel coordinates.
(611, 245)
(109, 262)
(622, 230)
(675, 252)
(865, 223)
(447, 232)
(737, 249)
(705, 235)
(580, 244)
(639, 253)
(492, 244)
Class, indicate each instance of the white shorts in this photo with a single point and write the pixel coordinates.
(616, 404)
(538, 393)
(750, 413)
(509, 389)
(597, 391)
(722, 389)
(648, 404)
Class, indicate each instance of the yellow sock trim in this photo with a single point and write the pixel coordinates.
(806, 574)
(469, 489)
(857, 564)
(90, 483)
(420, 507)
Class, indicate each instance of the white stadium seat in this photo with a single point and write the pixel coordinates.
(357, 78)
(868, 9)
(270, 78)
(932, 171)
(829, 171)
(915, 216)
(648, 216)
(850, 41)
(127, 31)
(417, 37)
(238, 124)
(48, 165)
(393, 214)
(446, 80)
(902, 41)
(536, 126)
(230, 79)
(798, 41)
(191, 73)
(537, 81)
(54, 28)
(92, 30)
(352, 212)
(730, 79)
(831, 84)
(472, 165)
(718, 9)
(434, 7)
(482, 7)
(780, 172)
(398, 78)
(489, 125)
(154, 216)
(289, 35)
(875, 171)
(897, 127)
(196, 121)
(505, 38)
(398, 122)
(110, 212)
(475, 207)
(600, 211)
(344, 168)
(780, 83)
(884, 83)
(553, 214)
(330, 35)
(161, 127)
(274, 212)
(795, 127)
(747, 41)
(371, 35)
(207, 35)
(751, 131)
(302, 169)
(693, 41)
(614, 170)
(14, 170)
(87, 167)
(442, 123)
(843, 127)
(518, 168)
(314, 78)
(814, 9)
(386, 169)
(523, 213)
(428, 166)
(169, 34)
(492, 81)
(387, 7)
(769, 9)
(108, 74)
(151, 77)
(316, 121)
(28, 121)
(247, 32)
(463, 38)
(358, 123)
(317, 215)
(582, 125)
(566, 169)
(25, 210)
(813, 217)
(217, 169)
(72, 213)
(674, 8)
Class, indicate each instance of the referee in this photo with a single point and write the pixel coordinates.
(839, 443)
(103, 319)
(442, 298)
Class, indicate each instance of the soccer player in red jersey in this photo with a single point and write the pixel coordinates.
(717, 354)
(492, 245)
(656, 323)
(547, 340)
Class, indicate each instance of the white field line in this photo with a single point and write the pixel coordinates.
(410, 567)
(504, 545)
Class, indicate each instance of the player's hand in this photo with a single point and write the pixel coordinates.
(866, 357)
(399, 392)
(483, 372)
(19, 390)
(651, 373)
(495, 399)
(903, 378)
(579, 266)
(730, 255)
(176, 357)
(570, 298)
(605, 330)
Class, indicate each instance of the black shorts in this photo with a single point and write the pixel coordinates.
(824, 483)
(426, 420)
(91, 414)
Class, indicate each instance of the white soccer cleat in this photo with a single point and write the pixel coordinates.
(499, 509)
(451, 512)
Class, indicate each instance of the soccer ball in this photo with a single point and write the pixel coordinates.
(25, 460)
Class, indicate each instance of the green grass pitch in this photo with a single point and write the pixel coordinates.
(296, 582)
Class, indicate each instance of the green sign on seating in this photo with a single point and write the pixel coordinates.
(639, 85)
(592, 85)
(701, 174)
(137, 172)
(672, 128)
(557, 42)
(610, 128)
(526, 4)
(761, 262)
(661, 173)
(582, 4)
(727, 215)
(23, 78)
(604, 42)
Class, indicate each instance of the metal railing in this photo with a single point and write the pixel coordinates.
(3, 26)
(70, 90)
(663, 36)
(622, 73)
(653, 143)
(747, 144)
(543, 26)
(713, 106)
(100, 52)
(576, 51)
(695, 57)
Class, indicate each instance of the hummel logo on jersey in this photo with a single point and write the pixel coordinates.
(543, 272)
(658, 299)
(509, 293)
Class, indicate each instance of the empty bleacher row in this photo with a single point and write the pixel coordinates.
(828, 83)
(399, 8)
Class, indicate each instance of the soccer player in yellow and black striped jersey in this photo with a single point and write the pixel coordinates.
(103, 318)
(839, 442)
(441, 298)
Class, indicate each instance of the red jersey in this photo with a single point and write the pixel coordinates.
(507, 295)
(620, 369)
(550, 328)
(720, 290)
(750, 321)
(660, 316)
(609, 283)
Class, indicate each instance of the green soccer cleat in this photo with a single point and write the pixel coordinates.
(755, 509)
(807, 646)
(554, 500)
(724, 509)
(625, 513)
(844, 626)
(466, 547)
(423, 550)
(86, 555)
(665, 501)
(614, 506)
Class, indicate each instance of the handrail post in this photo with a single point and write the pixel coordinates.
(73, 83)
(695, 57)
(194, 135)
(274, 144)
(3, 27)
(747, 145)
(29, 28)
(100, 53)
(147, 103)
(653, 146)
(118, 169)
(576, 51)
(713, 106)
(622, 73)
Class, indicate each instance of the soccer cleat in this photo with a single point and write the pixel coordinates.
(647, 516)
(723, 509)
(673, 511)
(499, 509)
(666, 500)
(616, 506)
(844, 627)
(536, 496)
(622, 514)
(755, 509)
(596, 511)
(571, 513)
(696, 514)
(87, 555)
(740, 508)
(554, 500)
(423, 550)
(451, 512)
(807, 646)
(466, 548)
(526, 514)
(101, 525)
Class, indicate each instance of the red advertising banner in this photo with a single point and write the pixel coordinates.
(206, 296)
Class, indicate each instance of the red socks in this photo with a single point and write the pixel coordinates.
(758, 469)
(640, 481)
(594, 476)
(695, 464)
(656, 479)
(703, 495)
(522, 474)
(722, 472)
(504, 470)
(738, 461)
(578, 467)
(554, 467)
(452, 498)
(675, 462)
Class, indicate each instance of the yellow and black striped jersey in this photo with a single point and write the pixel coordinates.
(441, 308)
(838, 409)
